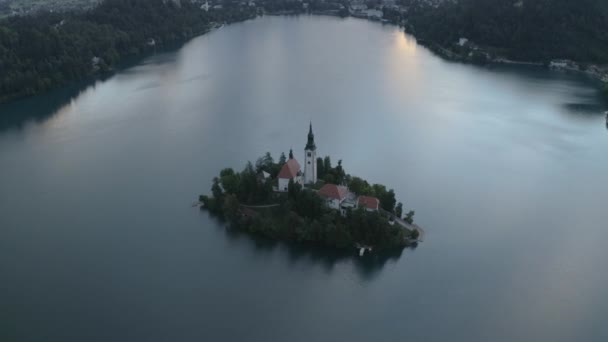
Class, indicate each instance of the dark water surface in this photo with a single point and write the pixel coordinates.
(506, 168)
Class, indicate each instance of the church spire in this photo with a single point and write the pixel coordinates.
(290, 154)
(310, 145)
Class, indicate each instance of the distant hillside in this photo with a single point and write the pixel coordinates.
(535, 30)
(45, 50)
(24, 7)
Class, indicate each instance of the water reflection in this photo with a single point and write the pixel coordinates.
(367, 267)
(584, 108)
(17, 114)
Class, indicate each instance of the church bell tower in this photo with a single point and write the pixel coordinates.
(310, 160)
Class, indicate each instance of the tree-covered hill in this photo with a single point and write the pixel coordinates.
(48, 49)
(535, 30)
(26, 7)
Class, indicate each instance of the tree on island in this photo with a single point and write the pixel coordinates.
(264, 163)
(399, 210)
(409, 218)
(320, 168)
(299, 214)
(327, 164)
(362, 187)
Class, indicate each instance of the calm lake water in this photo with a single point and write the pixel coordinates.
(506, 168)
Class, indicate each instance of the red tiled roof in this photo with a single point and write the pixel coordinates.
(290, 169)
(369, 202)
(333, 191)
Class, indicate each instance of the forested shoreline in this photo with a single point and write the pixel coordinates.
(539, 30)
(46, 50)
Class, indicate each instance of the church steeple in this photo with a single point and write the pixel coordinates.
(310, 145)
(310, 159)
(290, 154)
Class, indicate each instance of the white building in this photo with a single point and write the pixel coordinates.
(373, 14)
(310, 159)
(357, 7)
(289, 171)
(334, 195)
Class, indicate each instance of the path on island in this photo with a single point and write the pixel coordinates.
(409, 226)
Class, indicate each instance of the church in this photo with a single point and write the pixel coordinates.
(292, 171)
(337, 197)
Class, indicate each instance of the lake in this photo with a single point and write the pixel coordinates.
(506, 168)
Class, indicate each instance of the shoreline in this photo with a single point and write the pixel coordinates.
(143, 50)
(597, 72)
(593, 71)
(324, 206)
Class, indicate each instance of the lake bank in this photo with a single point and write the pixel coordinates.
(108, 34)
(282, 201)
(35, 81)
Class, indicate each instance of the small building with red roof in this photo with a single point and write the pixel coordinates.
(289, 172)
(335, 195)
(368, 203)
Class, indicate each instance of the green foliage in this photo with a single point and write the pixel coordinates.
(293, 189)
(329, 174)
(360, 186)
(537, 30)
(229, 181)
(301, 214)
(409, 218)
(230, 207)
(216, 189)
(45, 50)
(327, 164)
(264, 163)
(370, 228)
(386, 197)
(282, 6)
(399, 210)
(320, 168)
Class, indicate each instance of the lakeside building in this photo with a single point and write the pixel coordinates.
(337, 197)
(310, 159)
(340, 198)
(368, 203)
(334, 195)
(290, 171)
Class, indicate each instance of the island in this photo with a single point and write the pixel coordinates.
(319, 204)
